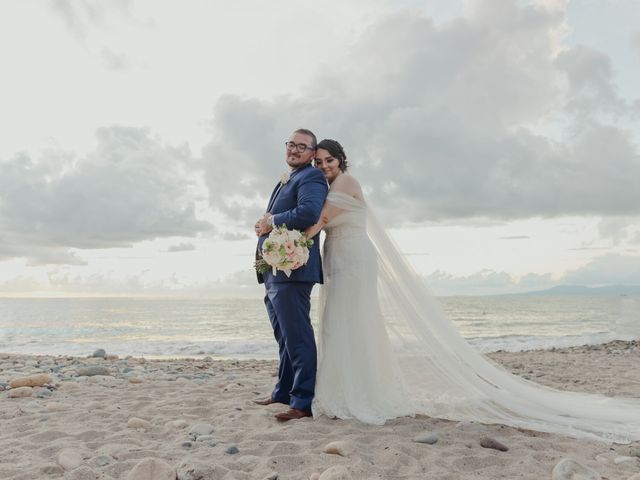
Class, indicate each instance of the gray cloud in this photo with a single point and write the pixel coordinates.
(242, 169)
(82, 16)
(132, 188)
(115, 61)
(618, 229)
(182, 247)
(235, 236)
(589, 73)
(635, 42)
(443, 121)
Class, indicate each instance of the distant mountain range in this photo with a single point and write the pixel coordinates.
(581, 290)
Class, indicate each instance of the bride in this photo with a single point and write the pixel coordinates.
(387, 349)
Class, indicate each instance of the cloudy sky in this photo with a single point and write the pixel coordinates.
(499, 140)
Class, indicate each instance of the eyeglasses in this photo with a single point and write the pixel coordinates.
(300, 147)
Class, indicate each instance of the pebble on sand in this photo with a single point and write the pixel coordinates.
(135, 380)
(99, 353)
(232, 450)
(200, 429)
(69, 459)
(20, 392)
(569, 469)
(31, 381)
(488, 442)
(426, 437)
(93, 371)
(152, 469)
(341, 448)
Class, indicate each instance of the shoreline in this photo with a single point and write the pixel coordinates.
(101, 426)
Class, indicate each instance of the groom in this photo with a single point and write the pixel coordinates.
(295, 202)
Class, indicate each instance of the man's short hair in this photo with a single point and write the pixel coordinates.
(305, 131)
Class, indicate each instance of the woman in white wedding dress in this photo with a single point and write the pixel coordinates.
(387, 349)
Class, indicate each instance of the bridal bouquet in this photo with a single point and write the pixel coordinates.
(284, 250)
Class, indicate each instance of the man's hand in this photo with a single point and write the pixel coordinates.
(263, 225)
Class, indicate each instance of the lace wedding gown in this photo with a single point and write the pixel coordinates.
(387, 349)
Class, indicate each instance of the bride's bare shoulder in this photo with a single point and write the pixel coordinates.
(347, 183)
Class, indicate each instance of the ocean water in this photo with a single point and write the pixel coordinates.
(239, 327)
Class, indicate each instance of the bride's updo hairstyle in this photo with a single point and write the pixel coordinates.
(336, 151)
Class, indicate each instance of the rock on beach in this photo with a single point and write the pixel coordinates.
(99, 353)
(488, 442)
(93, 371)
(200, 429)
(37, 380)
(428, 438)
(344, 449)
(69, 459)
(20, 392)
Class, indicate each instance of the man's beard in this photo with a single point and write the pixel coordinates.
(295, 162)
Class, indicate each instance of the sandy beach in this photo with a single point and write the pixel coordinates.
(101, 417)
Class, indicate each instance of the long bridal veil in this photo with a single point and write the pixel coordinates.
(446, 377)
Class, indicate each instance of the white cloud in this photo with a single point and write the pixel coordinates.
(132, 188)
(605, 270)
(442, 121)
(485, 282)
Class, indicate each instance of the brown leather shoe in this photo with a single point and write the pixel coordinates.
(292, 414)
(267, 401)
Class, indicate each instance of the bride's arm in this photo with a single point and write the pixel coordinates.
(328, 213)
(343, 184)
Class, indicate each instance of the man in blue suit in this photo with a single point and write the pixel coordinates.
(295, 202)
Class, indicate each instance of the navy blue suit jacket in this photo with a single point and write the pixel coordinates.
(298, 204)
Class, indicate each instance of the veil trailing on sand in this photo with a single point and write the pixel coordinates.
(446, 377)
